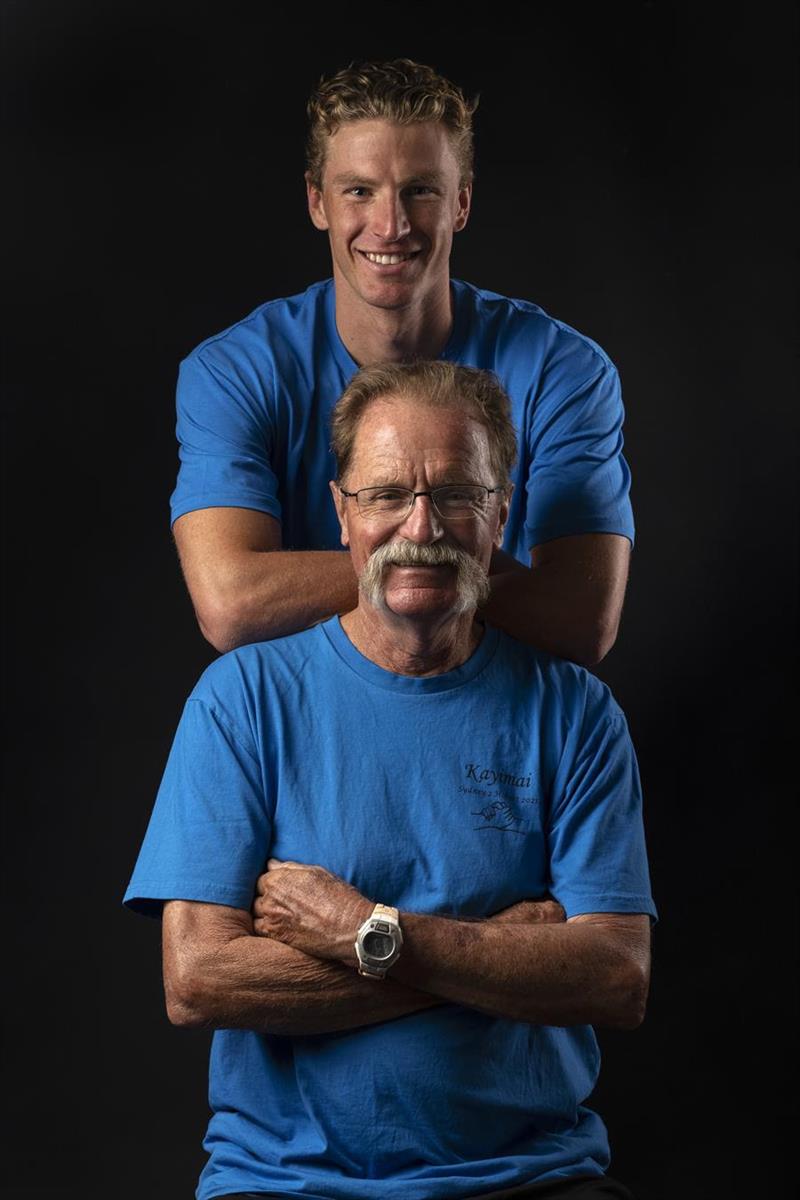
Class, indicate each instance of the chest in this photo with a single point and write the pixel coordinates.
(431, 806)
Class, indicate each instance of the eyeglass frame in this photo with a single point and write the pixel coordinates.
(490, 491)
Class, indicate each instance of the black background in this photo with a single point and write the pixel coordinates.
(632, 162)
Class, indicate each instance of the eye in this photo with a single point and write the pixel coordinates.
(421, 189)
(358, 192)
(389, 495)
(466, 493)
(460, 500)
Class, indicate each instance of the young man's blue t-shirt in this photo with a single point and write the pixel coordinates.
(254, 405)
(460, 794)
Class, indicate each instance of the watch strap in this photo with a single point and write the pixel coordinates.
(384, 912)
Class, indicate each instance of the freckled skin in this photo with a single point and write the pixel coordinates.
(397, 442)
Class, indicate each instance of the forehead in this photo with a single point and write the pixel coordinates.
(403, 438)
(372, 147)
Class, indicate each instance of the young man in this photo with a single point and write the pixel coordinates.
(399, 1016)
(390, 180)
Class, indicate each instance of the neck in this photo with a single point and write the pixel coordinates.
(407, 647)
(373, 334)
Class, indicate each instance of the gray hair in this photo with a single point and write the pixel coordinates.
(434, 385)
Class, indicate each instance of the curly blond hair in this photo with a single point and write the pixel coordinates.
(400, 90)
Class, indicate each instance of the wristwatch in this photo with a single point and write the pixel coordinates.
(378, 942)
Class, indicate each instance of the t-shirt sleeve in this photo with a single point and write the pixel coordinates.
(211, 827)
(578, 480)
(598, 860)
(225, 440)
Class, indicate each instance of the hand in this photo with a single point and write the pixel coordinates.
(531, 912)
(310, 909)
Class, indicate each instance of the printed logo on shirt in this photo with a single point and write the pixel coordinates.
(507, 807)
(488, 775)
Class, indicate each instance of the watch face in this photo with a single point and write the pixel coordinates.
(378, 945)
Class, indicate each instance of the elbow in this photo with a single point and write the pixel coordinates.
(597, 641)
(221, 622)
(629, 1002)
(186, 1001)
(218, 632)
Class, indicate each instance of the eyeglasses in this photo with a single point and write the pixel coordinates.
(452, 502)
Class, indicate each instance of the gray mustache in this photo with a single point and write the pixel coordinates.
(472, 581)
(413, 554)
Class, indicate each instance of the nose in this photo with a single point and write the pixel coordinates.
(422, 524)
(389, 218)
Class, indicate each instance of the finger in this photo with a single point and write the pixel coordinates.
(275, 863)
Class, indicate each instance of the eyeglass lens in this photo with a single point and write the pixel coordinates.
(451, 501)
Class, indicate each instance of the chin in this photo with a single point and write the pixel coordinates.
(414, 604)
(389, 298)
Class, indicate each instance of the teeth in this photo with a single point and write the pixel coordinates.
(386, 260)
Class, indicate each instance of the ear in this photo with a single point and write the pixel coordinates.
(340, 504)
(502, 515)
(464, 203)
(316, 205)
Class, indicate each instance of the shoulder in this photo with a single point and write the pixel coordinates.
(241, 681)
(523, 322)
(268, 332)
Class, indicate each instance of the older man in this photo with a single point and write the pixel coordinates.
(389, 181)
(396, 1016)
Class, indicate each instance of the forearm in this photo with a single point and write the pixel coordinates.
(524, 963)
(549, 974)
(258, 595)
(241, 981)
(568, 602)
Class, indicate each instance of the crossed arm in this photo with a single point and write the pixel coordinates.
(246, 588)
(290, 967)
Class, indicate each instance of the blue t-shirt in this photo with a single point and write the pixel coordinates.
(254, 406)
(458, 794)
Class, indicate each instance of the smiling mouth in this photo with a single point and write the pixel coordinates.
(388, 260)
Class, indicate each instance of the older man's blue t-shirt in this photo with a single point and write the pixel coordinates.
(254, 407)
(460, 794)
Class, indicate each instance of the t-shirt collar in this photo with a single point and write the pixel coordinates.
(341, 645)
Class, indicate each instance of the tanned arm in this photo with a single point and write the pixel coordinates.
(246, 588)
(592, 969)
(218, 974)
(569, 601)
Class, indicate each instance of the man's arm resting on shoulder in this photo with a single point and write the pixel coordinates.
(593, 969)
(569, 601)
(218, 974)
(245, 588)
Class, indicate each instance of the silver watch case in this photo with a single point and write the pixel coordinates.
(370, 963)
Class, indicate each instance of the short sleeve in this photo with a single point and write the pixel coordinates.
(578, 480)
(225, 441)
(598, 860)
(210, 831)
